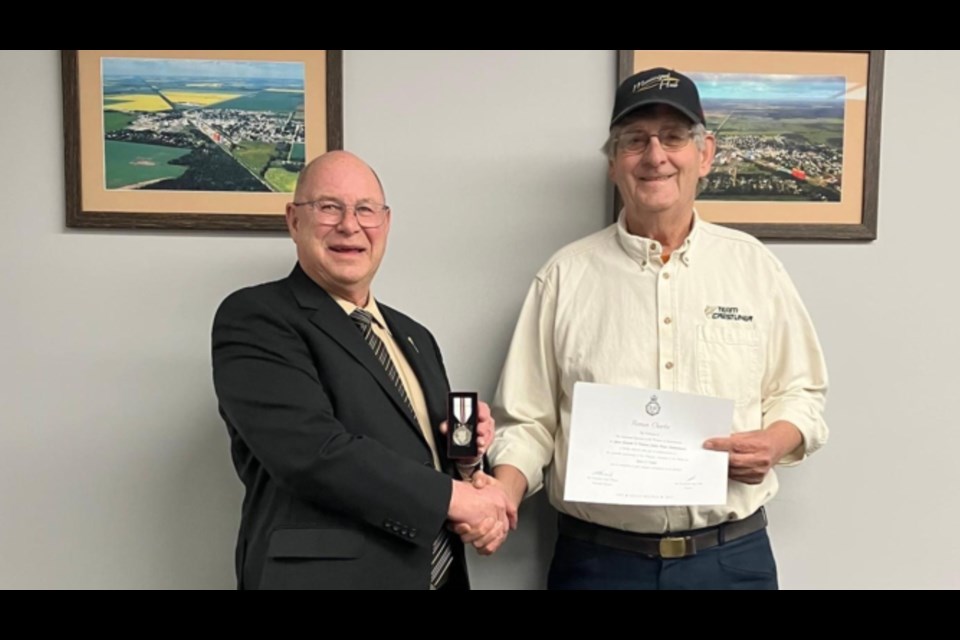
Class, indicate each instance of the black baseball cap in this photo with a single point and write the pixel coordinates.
(658, 86)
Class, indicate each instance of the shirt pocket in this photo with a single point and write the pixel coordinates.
(728, 363)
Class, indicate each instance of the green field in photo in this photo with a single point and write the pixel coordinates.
(115, 121)
(275, 101)
(282, 180)
(254, 155)
(131, 163)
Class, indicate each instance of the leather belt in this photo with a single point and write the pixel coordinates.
(677, 544)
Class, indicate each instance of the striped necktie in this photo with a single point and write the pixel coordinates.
(442, 556)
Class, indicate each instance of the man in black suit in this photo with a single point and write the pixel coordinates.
(334, 403)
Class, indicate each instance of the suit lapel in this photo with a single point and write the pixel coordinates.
(411, 351)
(330, 318)
(422, 361)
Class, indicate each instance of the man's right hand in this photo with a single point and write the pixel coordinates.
(482, 516)
(507, 477)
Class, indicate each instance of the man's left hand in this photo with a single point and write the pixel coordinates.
(754, 453)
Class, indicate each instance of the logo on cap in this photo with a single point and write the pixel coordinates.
(662, 81)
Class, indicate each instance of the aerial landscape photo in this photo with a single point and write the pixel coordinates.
(202, 125)
(779, 137)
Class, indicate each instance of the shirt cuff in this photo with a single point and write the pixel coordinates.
(810, 425)
(466, 471)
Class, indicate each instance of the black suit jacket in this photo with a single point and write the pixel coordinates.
(340, 487)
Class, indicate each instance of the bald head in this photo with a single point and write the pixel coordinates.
(336, 162)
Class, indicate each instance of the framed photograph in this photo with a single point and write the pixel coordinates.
(798, 137)
(199, 139)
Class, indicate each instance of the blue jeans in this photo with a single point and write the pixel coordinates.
(744, 563)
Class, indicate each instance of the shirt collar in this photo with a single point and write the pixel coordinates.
(646, 251)
(371, 307)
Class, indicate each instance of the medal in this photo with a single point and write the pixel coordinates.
(462, 410)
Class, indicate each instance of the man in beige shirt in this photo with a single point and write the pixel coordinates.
(662, 300)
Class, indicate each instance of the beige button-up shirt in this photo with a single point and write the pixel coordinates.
(721, 318)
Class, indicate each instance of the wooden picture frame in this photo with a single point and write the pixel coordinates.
(798, 137)
(201, 139)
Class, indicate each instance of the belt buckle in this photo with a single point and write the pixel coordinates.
(671, 547)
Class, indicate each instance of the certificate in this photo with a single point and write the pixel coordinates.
(637, 446)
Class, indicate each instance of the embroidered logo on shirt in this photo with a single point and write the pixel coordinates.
(726, 313)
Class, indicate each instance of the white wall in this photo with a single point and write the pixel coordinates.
(876, 508)
(114, 469)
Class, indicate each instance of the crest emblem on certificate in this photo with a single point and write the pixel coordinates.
(653, 407)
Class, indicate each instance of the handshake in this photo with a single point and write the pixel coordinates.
(483, 510)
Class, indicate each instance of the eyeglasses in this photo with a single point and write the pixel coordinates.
(670, 139)
(331, 212)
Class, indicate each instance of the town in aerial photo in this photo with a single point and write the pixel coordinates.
(779, 137)
(202, 125)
